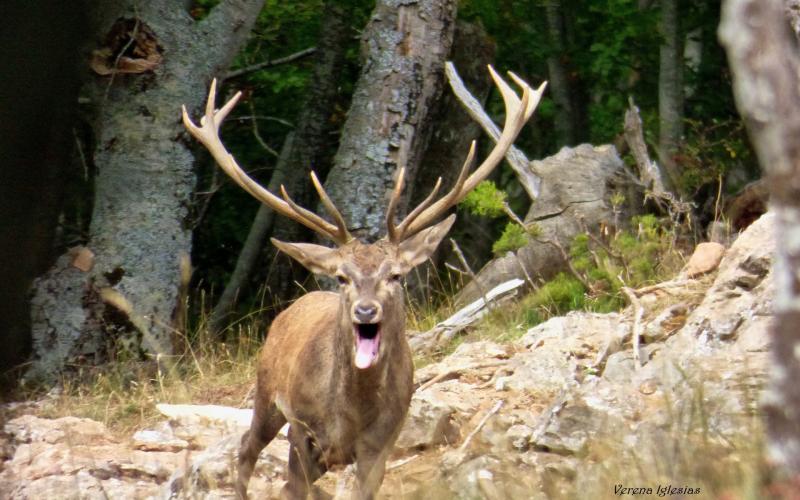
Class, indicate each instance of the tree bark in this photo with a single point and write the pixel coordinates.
(565, 120)
(303, 153)
(389, 123)
(138, 233)
(670, 93)
(764, 59)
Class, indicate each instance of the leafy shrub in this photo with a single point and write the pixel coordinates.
(513, 238)
(486, 200)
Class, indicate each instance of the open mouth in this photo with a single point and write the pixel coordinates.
(368, 340)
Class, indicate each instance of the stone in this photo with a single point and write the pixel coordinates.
(705, 258)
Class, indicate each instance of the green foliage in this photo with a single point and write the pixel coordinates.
(711, 151)
(513, 238)
(629, 258)
(558, 296)
(485, 200)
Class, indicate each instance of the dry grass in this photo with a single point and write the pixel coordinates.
(123, 394)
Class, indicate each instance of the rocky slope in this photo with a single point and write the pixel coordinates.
(565, 410)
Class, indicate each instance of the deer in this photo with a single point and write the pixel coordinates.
(337, 365)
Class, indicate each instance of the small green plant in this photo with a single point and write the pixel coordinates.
(486, 200)
(489, 201)
(513, 238)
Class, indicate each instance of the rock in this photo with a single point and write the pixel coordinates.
(219, 415)
(665, 323)
(742, 291)
(518, 436)
(430, 421)
(71, 457)
(705, 258)
(153, 440)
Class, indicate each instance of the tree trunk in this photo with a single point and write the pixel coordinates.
(764, 59)
(303, 153)
(565, 119)
(670, 93)
(87, 311)
(389, 123)
(453, 132)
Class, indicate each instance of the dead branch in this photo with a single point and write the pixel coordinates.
(638, 314)
(480, 425)
(269, 63)
(516, 158)
(445, 331)
(567, 261)
(457, 371)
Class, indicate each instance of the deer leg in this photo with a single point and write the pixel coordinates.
(305, 466)
(267, 421)
(370, 467)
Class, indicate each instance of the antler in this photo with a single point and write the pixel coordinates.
(518, 111)
(208, 134)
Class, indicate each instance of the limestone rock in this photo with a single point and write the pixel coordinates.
(705, 258)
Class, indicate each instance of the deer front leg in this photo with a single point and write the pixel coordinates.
(305, 466)
(267, 421)
(370, 467)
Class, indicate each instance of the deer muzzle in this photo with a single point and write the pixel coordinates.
(367, 317)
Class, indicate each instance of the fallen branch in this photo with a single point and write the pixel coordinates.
(665, 286)
(445, 331)
(402, 462)
(638, 314)
(458, 371)
(480, 425)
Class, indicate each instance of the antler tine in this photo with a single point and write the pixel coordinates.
(208, 135)
(391, 228)
(312, 220)
(518, 111)
(402, 228)
(331, 209)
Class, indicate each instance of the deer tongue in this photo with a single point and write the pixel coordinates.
(366, 350)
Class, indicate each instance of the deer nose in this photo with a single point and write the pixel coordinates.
(366, 312)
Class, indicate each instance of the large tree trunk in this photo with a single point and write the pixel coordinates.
(303, 152)
(670, 92)
(138, 235)
(764, 59)
(389, 123)
(454, 130)
(567, 124)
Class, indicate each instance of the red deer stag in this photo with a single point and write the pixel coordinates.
(337, 366)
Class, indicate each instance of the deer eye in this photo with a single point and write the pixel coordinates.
(396, 277)
(342, 279)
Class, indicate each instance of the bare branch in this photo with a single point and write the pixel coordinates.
(269, 63)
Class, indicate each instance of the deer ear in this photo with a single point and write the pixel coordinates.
(416, 250)
(316, 258)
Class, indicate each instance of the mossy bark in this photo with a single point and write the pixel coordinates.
(144, 180)
(765, 62)
(388, 125)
